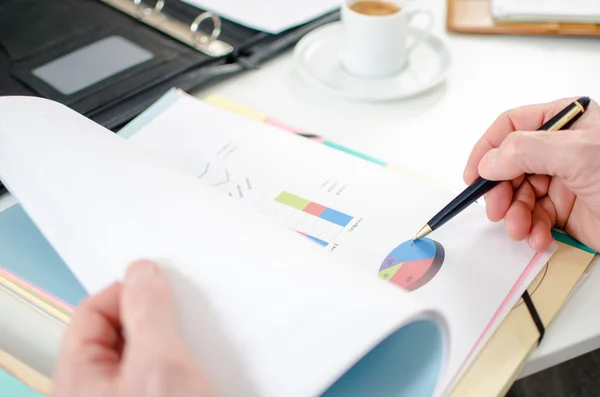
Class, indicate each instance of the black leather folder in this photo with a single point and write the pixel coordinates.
(110, 59)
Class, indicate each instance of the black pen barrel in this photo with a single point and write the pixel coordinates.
(562, 120)
(480, 187)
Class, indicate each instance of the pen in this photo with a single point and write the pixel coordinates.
(563, 119)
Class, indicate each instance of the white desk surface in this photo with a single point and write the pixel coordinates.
(490, 74)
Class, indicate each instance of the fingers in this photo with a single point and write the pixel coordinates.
(518, 220)
(512, 148)
(148, 311)
(498, 201)
(548, 206)
(541, 229)
(527, 218)
(562, 200)
(156, 361)
(526, 195)
(540, 184)
(535, 224)
(518, 181)
(558, 153)
(90, 354)
(93, 334)
(526, 118)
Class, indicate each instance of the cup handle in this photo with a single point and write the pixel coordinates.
(427, 29)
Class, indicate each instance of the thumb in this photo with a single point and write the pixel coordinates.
(147, 308)
(554, 153)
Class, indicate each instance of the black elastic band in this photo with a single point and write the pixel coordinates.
(309, 136)
(534, 315)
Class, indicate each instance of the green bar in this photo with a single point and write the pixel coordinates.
(292, 201)
(565, 239)
(354, 153)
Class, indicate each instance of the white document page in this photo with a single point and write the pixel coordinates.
(265, 313)
(577, 11)
(359, 213)
(271, 16)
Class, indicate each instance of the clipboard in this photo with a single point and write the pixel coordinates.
(475, 17)
(500, 361)
(29, 377)
(17, 375)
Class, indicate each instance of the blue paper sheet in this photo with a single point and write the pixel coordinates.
(26, 253)
(12, 387)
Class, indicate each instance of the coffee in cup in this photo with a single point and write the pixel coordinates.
(375, 39)
(375, 7)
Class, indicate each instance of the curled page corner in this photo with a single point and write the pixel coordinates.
(409, 362)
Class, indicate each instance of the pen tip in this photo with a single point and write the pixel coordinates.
(584, 101)
(425, 230)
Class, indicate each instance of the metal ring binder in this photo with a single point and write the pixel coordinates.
(209, 44)
(216, 28)
(190, 35)
(149, 11)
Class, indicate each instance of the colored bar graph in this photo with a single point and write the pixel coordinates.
(336, 217)
(319, 241)
(315, 209)
(292, 200)
(317, 222)
(302, 204)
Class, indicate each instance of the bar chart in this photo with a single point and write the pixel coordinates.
(313, 220)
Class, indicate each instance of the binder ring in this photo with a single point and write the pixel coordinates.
(158, 6)
(202, 37)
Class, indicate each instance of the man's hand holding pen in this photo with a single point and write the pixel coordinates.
(537, 178)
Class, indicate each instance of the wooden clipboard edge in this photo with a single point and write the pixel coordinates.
(24, 373)
(486, 375)
(517, 28)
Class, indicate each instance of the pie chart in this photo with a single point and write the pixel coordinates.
(413, 264)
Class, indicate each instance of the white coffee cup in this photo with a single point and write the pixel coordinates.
(379, 45)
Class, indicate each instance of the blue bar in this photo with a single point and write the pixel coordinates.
(323, 243)
(336, 217)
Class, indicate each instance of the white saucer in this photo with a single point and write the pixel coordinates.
(317, 59)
